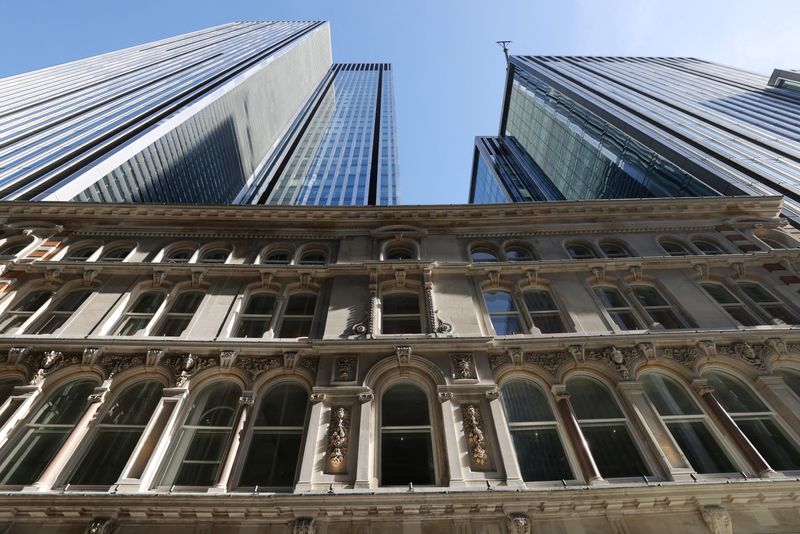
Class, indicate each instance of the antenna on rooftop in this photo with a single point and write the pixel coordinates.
(505, 44)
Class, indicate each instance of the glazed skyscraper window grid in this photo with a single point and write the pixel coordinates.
(198, 118)
(616, 127)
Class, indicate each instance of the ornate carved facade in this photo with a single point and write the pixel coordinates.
(270, 370)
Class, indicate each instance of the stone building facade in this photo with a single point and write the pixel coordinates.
(572, 367)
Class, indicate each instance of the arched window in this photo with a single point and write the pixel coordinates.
(180, 314)
(406, 437)
(23, 310)
(674, 248)
(399, 252)
(687, 423)
(277, 438)
(792, 379)
(203, 436)
(78, 252)
(179, 255)
(731, 304)
(709, 248)
(482, 255)
(605, 429)
(755, 420)
(614, 250)
(7, 388)
(256, 317)
(45, 432)
(772, 243)
(313, 257)
(279, 256)
(533, 427)
(578, 251)
(400, 314)
(544, 311)
(11, 250)
(769, 304)
(62, 310)
(138, 316)
(215, 255)
(117, 255)
(518, 253)
(298, 316)
(117, 433)
(502, 312)
(657, 307)
(618, 308)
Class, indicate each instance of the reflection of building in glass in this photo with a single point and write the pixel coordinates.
(647, 127)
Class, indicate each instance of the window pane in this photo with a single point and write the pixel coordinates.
(215, 256)
(482, 255)
(757, 293)
(118, 254)
(525, 402)
(66, 405)
(33, 302)
(674, 249)
(295, 327)
(301, 305)
(624, 320)
(405, 304)
(667, 318)
(733, 395)
(580, 252)
(260, 304)
(148, 303)
(399, 253)
(202, 459)
(700, 447)
(791, 378)
(541, 455)
(81, 254)
(649, 296)
(401, 325)
(539, 301)
(72, 301)
(187, 302)
(52, 323)
(278, 256)
(106, 457)
(132, 325)
(406, 456)
(135, 405)
(613, 451)
(610, 298)
(743, 316)
(314, 257)
(780, 312)
(720, 294)
(668, 396)
(506, 325)
(7, 388)
(30, 459)
(518, 254)
(499, 301)
(284, 405)
(549, 324)
(405, 405)
(591, 400)
(708, 248)
(612, 250)
(777, 450)
(173, 326)
(252, 327)
(215, 406)
(273, 459)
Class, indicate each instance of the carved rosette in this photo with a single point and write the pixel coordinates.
(338, 433)
(101, 525)
(476, 436)
(344, 369)
(463, 367)
(754, 355)
(518, 523)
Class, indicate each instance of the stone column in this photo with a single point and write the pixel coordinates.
(365, 442)
(706, 391)
(309, 458)
(504, 440)
(229, 456)
(451, 449)
(670, 457)
(79, 431)
(588, 467)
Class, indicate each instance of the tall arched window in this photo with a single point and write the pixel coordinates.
(792, 379)
(277, 438)
(617, 307)
(769, 304)
(755, 420)
(298, 315)
(687, 423)
(11, 250)
(502, 312)
(400, 314)
(180, 314)
(62, 310)
(45, 433)
(543, 310)
(605, 428)
(203, 436)
(657, 307)
(731, 304)
(139, 315)
(116, 435)
(406, 437)
(7, 388)
(708, 247)
(23, 310)
(674, 248)
(533, 427)
(256, 317)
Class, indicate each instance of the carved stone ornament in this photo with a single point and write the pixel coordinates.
(778, 346)
(17, 354)
(153, 357)
(518, 523)
(463, 366)
(290, 359)
(493, 394)
(344, 369)
(305, 280)
(361, 328)
(717, 518)
(197, 278)
(636, 272)
(445, 396)
(577, 352)
(309, 365)
(400, 277)
(365, 397)
(317, 397)
(516, 355)
(338, 432)
(708, 348)
(702, 270)
(89, 276)
(684, 355)
(403, 355)
(497, 360)
(494, 278)
(49, 362)
(90, 355)
(738, 269)
(443, 327)
(550, 361)
(101, 525)
(754, 355)
(227, 358)
(114, 364)
(617, 358)
(476, 437)
(647, 349)
(52, 276)
(533, 276)
(266, 279)
(304, 525)
(599, 274)
(158, 278)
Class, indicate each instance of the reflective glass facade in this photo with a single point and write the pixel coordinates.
(607, 127)
(343, 151)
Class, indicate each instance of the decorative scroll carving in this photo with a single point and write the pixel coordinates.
(373, 301)
(153, 357)
(599, 274)
(365, 397)
(227, 358)
(89, 276)
(52, 361)
(518, 523)
(684, 355)
(158, 278)
(52, 277)
(463, 366)
(738, 269)
(305, 280)
(778, 346)
(360, 328)
(17, 354)
(494, 278)
(516, 355)
(533, 276)
(476, 438)
(702, 270)
(496, 360)
(90, 355)
(708, 348)
(116, 364)
(317, 397)
(184, 368)
(577, 352)
(266, 279)
(636, 272)
(309, 364)
(290, 359)
(754, 355)
(646, 349)
(550, 361)
(101, 525)
(197, 278)
(304, 525)
(443, 327)
(345, 369)
(427, 279)
(337, 439)
(256, 366)
(400, 277)
(616, 358)
(493, 394)
(445, 396)
(247, 399)
(717, 518)
(403, 355)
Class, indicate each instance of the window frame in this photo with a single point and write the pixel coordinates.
(30, 316)
(393, 292)
(488, 314)
(51, 312)
(669, 306)
(205, 251)
(241, 316)
(570, 245)
(678, 243)
(282, 315)
(127, 313)
(770, 319)
(13, 242)
(614, 243)
(607, 311)
(485, 249)
(167, 314)
(739, 304)
(557, 311)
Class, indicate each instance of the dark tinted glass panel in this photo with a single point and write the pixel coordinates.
(279, 256)
(791, 378)
(7, 388)
(394, 325)
(201, 463)
(301, 305)
(700, 447)
(81, 253)
(720, 294)
(283, 405)
(215, 256)
(734, 396)
(180, 256)
(295, 327)
(13, 250)
(549, 324)
(216, 406)
(406, 457)
(591, 400)
(541, 455)
(29, 461)
(402, 304)
(649, 296)
(757, 293)
(133, 325)
(743, 316)
(706, 247)
(482, 255)
(404, 405)
(275, 460)
(539, 301)
(313, 258)
(624, 320)
(398, 253)
(252, 328)
(135, 405)
(525, 402)
(66, 405)
(668, 396)
(506, 325)
(614, 452)
(518, 254)
(613, 250)
(148, 303)
(499, 301)
(106, 458)
(666, 318)
(118, 254)
(173, 326)
(187, 302)
(260, 304)
(777, 450)
(33, 301)
(674, 249)
(579, 252)
(72, 301)
(610, 298)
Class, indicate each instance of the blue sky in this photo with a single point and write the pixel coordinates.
(449, 72)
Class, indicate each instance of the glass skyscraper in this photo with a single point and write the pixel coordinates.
(626, 127)
(206, 117)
